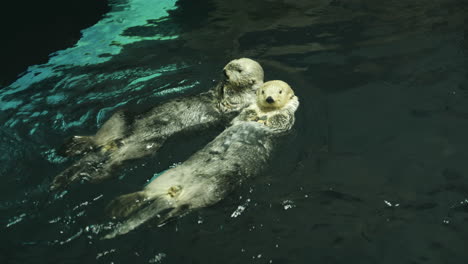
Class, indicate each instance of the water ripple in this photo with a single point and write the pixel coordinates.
(40, 95)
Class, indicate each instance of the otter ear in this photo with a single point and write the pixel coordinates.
(291, 92)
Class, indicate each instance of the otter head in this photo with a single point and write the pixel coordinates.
(274, 95)
(243, 73)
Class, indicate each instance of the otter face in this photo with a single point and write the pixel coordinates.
(243, 72)
(274, 95)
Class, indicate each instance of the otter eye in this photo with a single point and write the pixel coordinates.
(263, 92)
(239, 70)
(281, 92)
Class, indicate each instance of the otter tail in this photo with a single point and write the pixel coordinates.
(92, 167)
(77, 145)
(140, 210)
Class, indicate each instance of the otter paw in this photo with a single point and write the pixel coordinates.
(111, 146)
(174, 191)
(225, 106)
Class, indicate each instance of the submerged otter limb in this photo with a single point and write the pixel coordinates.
(100, 164)
(112, 130)
(84, 169)
(141, 209)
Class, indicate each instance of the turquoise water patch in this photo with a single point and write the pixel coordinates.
(36, 114)
(92, 93)
(69, 82)
(105, 37)
(146, 78)
(178, 89)
(135, 85)
(102, 114)
(34, 74)
(55, 98)
(52, 156)
(11, 123)
(34, 129)
(5, 105)
(162, 70)
(64, 125)
(70, 93)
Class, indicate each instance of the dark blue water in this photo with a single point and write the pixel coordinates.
(375, 171)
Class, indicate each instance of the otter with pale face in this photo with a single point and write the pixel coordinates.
(274, 106)
(125, 137)
(238, 153)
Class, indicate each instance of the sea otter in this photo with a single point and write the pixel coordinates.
(122, 138)
(238, 153)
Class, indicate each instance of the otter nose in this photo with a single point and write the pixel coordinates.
(270, 100)
(225, 74)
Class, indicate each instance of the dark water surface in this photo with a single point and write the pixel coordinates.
(375, 171)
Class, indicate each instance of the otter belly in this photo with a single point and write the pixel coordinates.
(240, 152)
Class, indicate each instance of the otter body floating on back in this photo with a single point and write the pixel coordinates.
(122, 138)
(239, 152)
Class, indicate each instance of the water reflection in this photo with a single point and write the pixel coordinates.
(69, 76)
